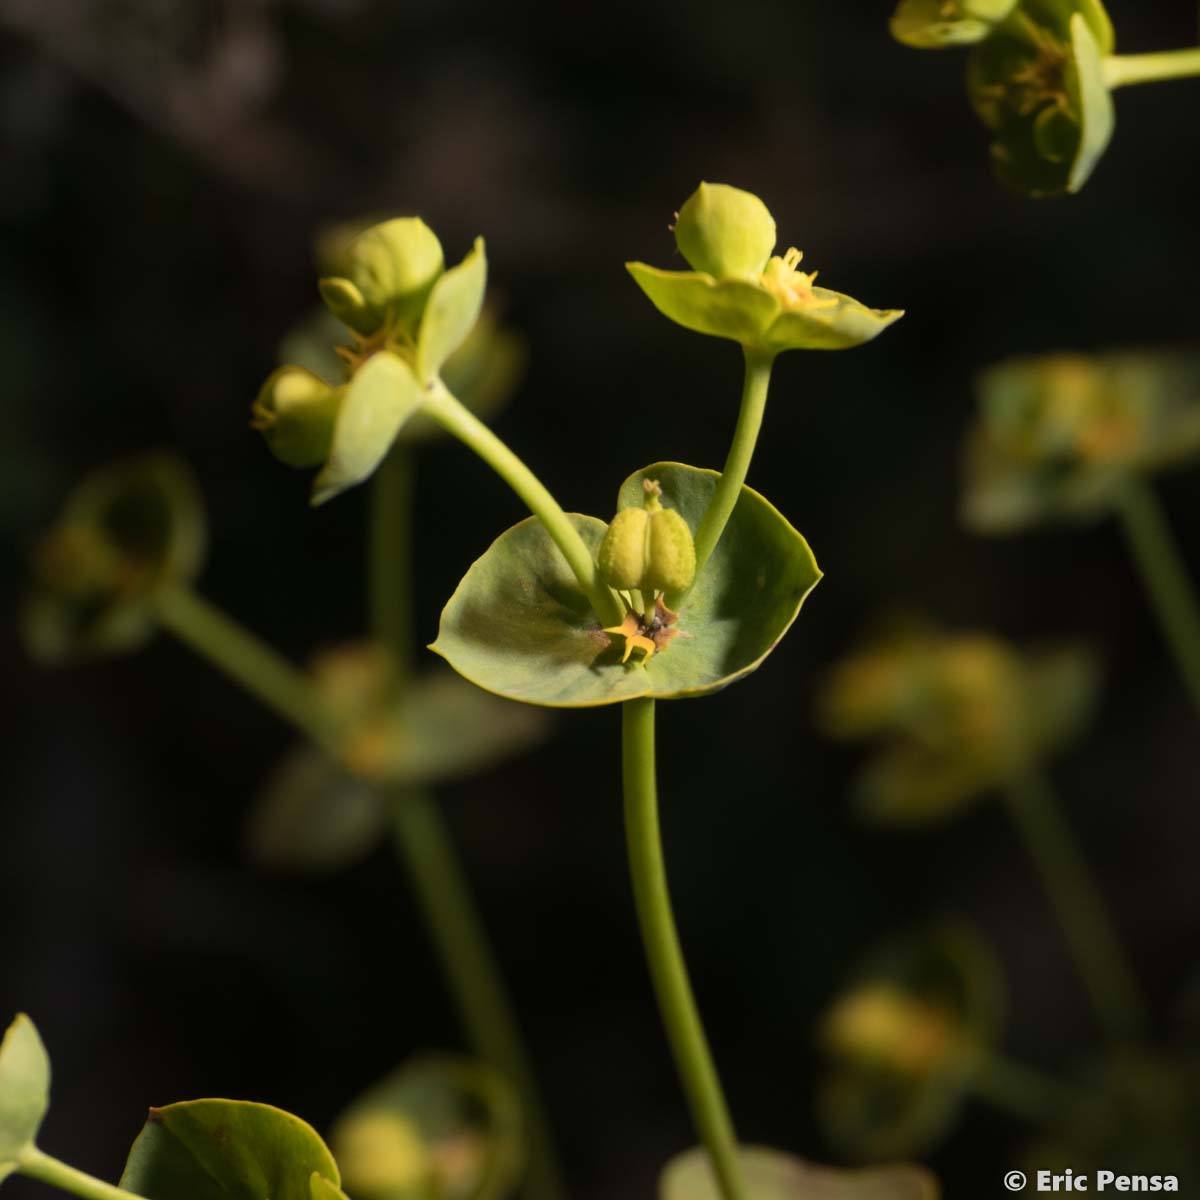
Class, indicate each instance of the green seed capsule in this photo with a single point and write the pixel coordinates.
(649, 549)
(386, 277)
(725, 232)
(295, 412)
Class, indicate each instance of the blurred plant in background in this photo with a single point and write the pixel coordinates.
(1066, 436)
(1040, 76)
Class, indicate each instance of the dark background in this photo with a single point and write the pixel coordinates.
(165, 165)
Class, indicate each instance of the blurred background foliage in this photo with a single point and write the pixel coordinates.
(165, 166)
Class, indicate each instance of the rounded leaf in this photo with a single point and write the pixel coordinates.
(226, 1150)
(383, 394)
(724, 232)
(24, 1090)
(128, 531)
(451, 312)
(520, 626)
(313, 815)
(441, 1126)
(773, 1175)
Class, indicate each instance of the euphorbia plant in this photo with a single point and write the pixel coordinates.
(689, 587)
(685, 591)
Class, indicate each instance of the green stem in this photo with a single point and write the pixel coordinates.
(424, 844)
(450, 413)
(737, 461)
(1121, 70)
(1165, 577)
(389, 583)
(1079, 906)
(32, 1162)
(265, 674)
(1024, 1091)
(693, 1060)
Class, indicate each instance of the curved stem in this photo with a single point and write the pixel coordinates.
(737, 461)
(1079, 906)
(1022, 1090)
(450, 413)
(264, 673)
(389, 583)
(424, 844)
(36, 1165)
(1165, 577)
(693, 1060)
(1121, 70)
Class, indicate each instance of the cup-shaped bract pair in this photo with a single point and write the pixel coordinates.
(905, 1040)
(520, 625)
(127, 532)
(1057, 436)
(406, 315)
(1035, 76)
(955, 715)
(319, 812)
(441, 1126)
(1038, 84)
(739, 289)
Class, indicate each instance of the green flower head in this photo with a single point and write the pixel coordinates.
(408, 317)
(951, 717)
(1038, 84)
(1057, 435)
(935, 24)
(739, 290)
(126, 533)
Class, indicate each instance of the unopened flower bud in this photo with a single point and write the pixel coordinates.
(724, 231)
(295, 412)
(386, 278)
(650, 548)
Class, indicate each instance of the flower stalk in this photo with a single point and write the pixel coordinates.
(668, 971)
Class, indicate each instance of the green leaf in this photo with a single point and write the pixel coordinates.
(126, 532)
(383, 394)
(313, 815)
(226, 1150)
(728, 308)
(321, 1188)
(1092, 99)
(24, 1090)
(451, 312)
(519, 626)
(773, 1175)
(440, 1128)
(317, 814)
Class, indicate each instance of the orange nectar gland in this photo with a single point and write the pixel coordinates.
(646, 552)
(793, 287)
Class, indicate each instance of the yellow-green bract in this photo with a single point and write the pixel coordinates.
(936, 24)
(24, 1090)
(738, 291)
